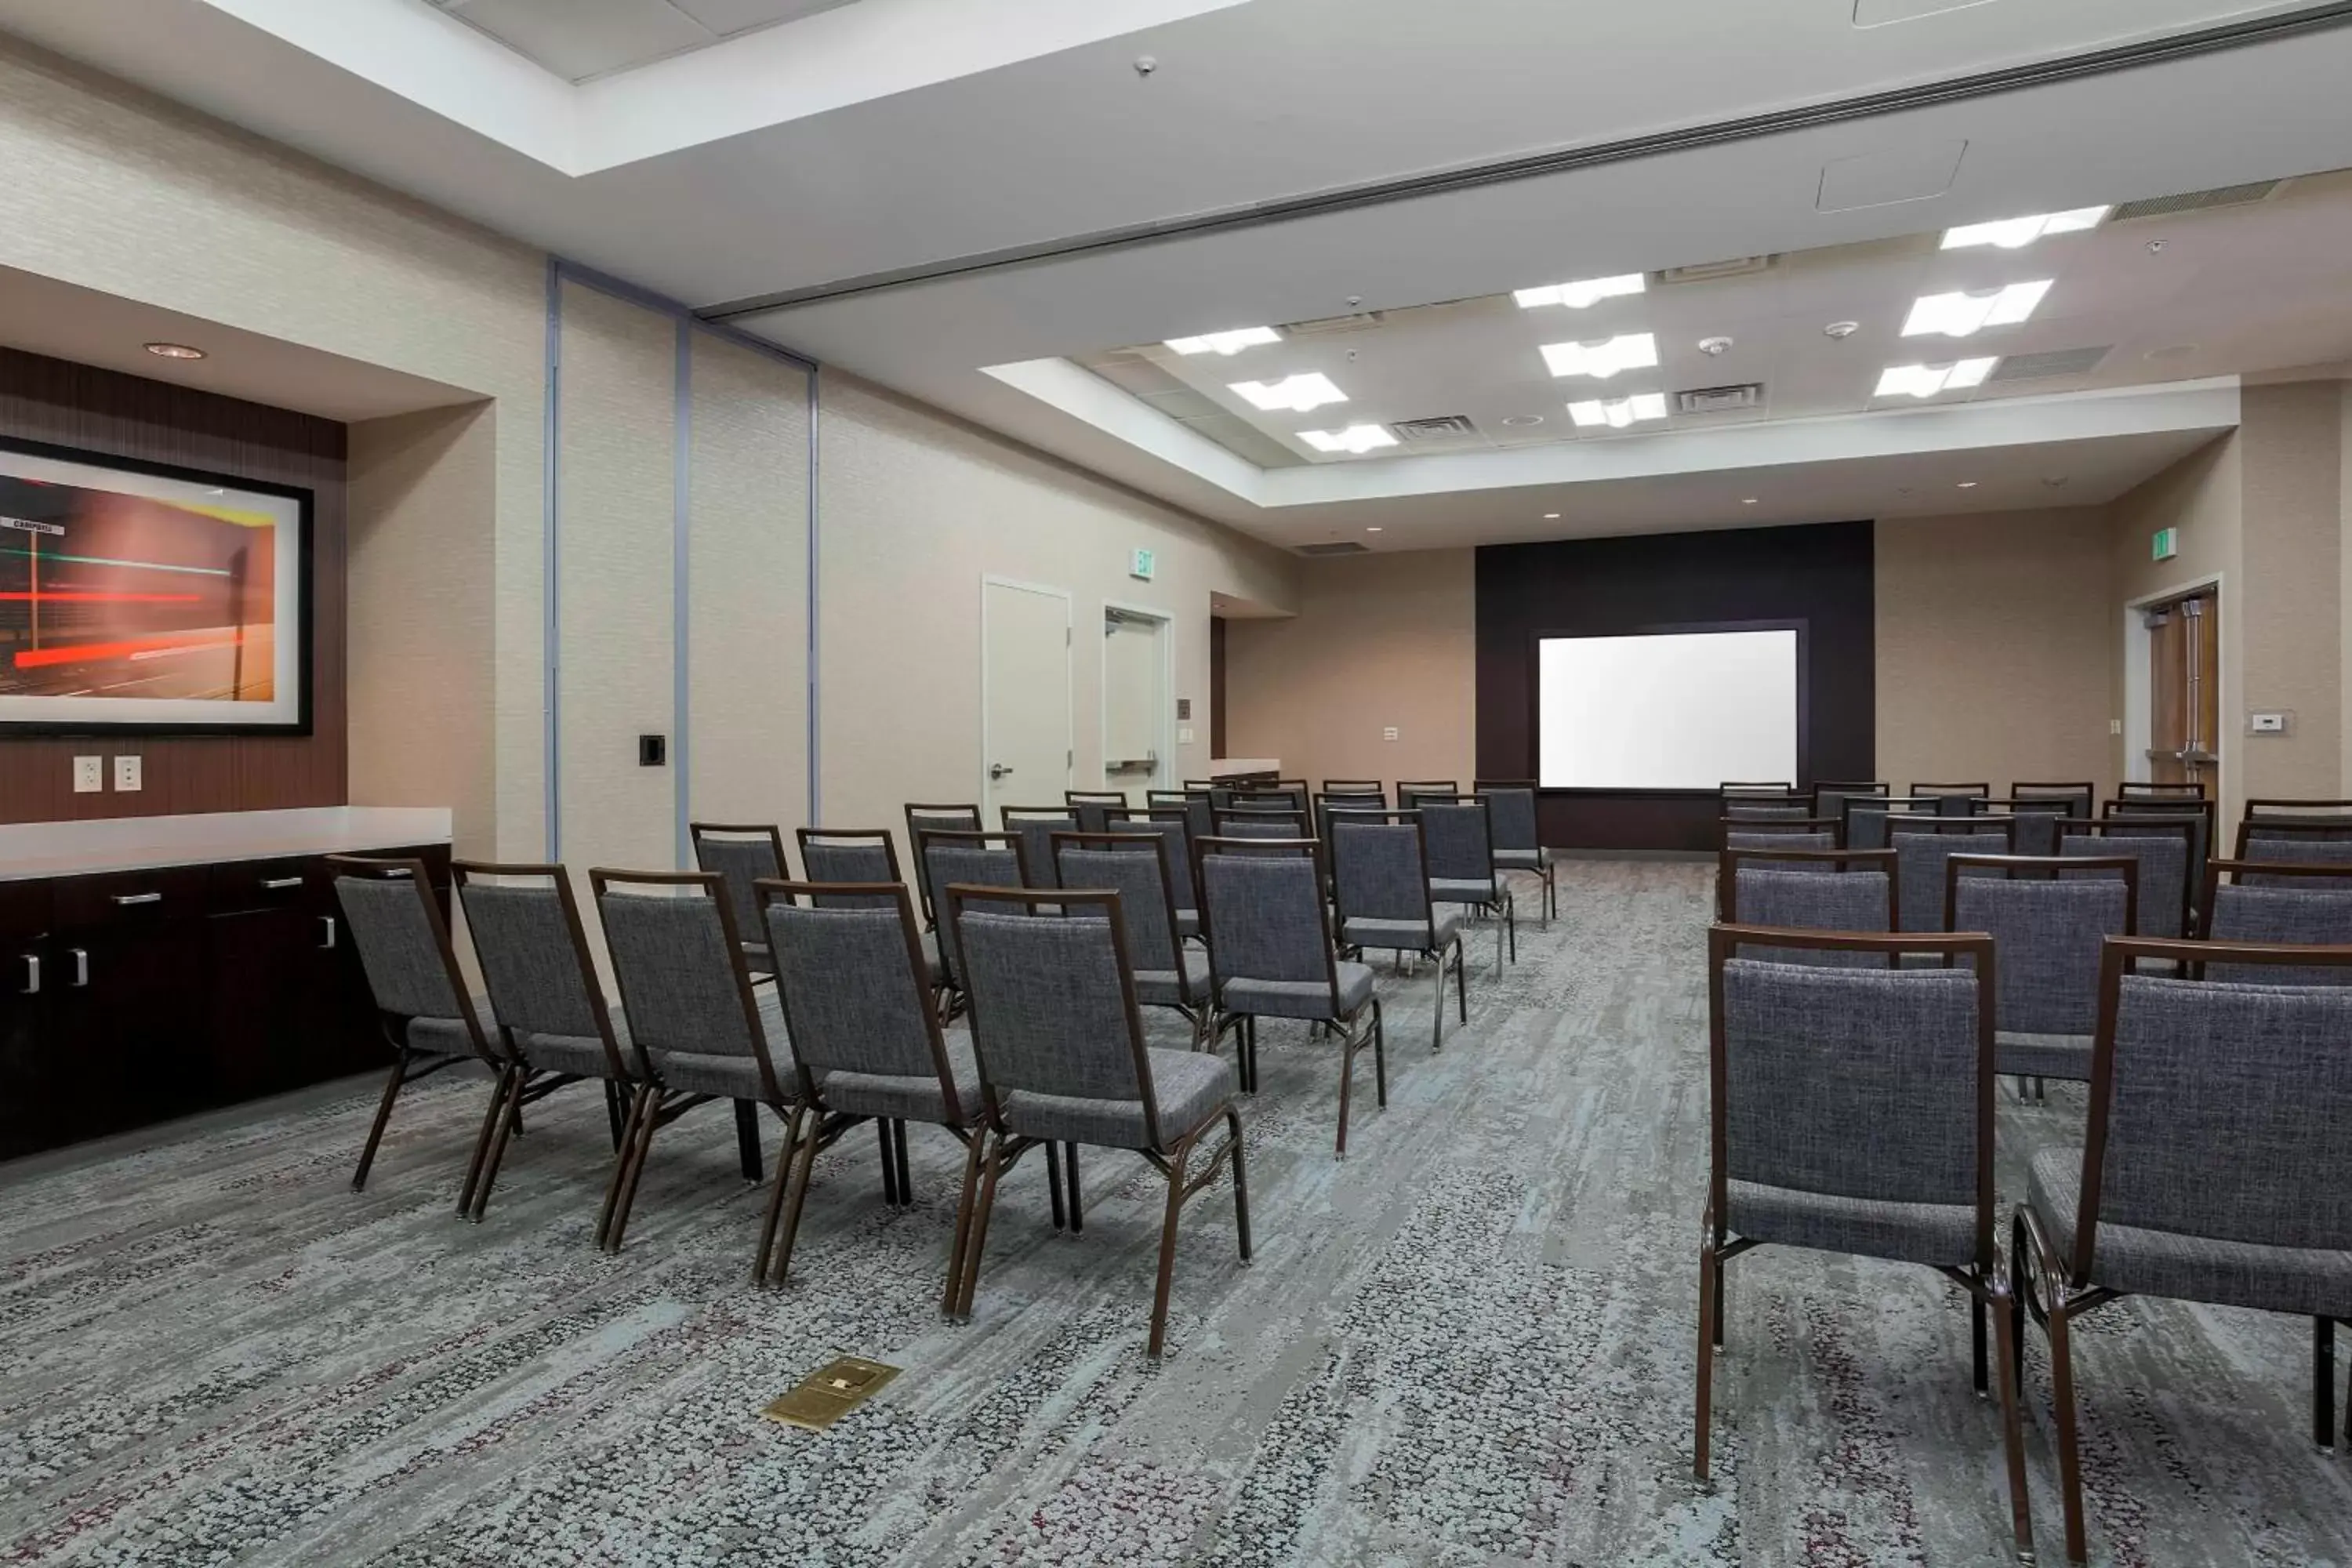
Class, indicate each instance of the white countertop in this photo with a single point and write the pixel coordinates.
(1227, 767)
(29, 849)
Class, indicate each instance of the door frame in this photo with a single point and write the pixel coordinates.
(2140, 716)
(1069, 694)
(1163, 726)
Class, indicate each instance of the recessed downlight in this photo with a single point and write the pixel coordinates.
(1603, 357)
(175, 351)
(1522, 420)
(1968, 484)
(1956, 315)
(1354, 439)
(1371, 528)
(1620, 412)
(1226, 343)
(1928, 380)
(1299, 394)
(1747, 501)
(1551, 517)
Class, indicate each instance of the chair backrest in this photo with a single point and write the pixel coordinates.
(1199, 816)
(2079, 797)
(1868, 820)
(1372, 788)
(1735, 837)
(2130, 789)
(1922, 847)
(678, 957)
(1410, 793)
(2308, 906)
(1176, 826)
(1275, 797)
(1459, 839)
(1378, 868)
(404, 942)
(741, 854)
(2196, 813)
(922, 819)
(973, 859)
(1053, 1001)
(2218, 1110)
(852, 983)
(2048, 931)
(1510, 811)
(850, 857)
(1263, 913)
(1036, 825)
(1328, 806)
(1831, 795)
(2037, 819)
(1873, 1083)
(1738, 810)
(2162, 850)
(1810, 890)
(2337, 811)
(1803, 831)
(1241, 821)
(1952, 799)
(2322, 845)
(1093, 807)
(533, 950)
(1134, 867)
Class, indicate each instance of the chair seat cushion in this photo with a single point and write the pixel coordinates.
(1407, 936)
(581, 1056)
(910, 1098)
(1165, 988)
(1188, 922)
(2305, 1282)
(1522, 860)
(1450, 890)
(1935, 1234)
(1189, 1086)
(1301, 998)
(2042, 1056)
(447, 1037)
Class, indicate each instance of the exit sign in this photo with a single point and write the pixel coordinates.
(2164, 544)
(1143, 565)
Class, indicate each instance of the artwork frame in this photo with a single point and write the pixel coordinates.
(292, 510)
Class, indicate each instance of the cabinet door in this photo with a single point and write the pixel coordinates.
(134, 1030)
(28, 1091)
(260, 986)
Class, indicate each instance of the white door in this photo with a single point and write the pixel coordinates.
(1024, 676)
(1134, 700)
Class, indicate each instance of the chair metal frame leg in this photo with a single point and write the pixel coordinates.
(1240, 1180)
(804, 1136)
(1460, 978)
(1054, 1185)
(392, 1087)
(992, 1165)
(889, 1162)
(2043, 1290)
(973, 1142)
(634, 1167)
(787, 1162)
(639, 1100)
(499, 1109)
(1070, 1175)
(747, 1138)
(906, 1183)
(1177, 1160)
(1710, 1280)
(514, 1084)
(2322, 1383)
(616, 1094)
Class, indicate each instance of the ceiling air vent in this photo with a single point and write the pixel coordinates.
(2195, 201)
(1720, 399)
(1708, 272)
(1439, 427)
(2043, 366)
(1328, 326)
(1339, 547)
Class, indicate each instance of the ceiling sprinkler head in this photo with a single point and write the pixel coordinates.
(1842, 329)
(1146, 65)
(1713, 346)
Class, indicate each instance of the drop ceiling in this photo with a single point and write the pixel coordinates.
(582, 39)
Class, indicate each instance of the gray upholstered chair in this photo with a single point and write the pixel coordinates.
(2078, 798)
(982, 860)
(1518, 837)
(1175, 826)
(2196, 814)
(1265, 797)
(1036, 825)
(1199, 816)
(1411, 791)
(2211, 1169)
(1867, 821)
(1063, 1059)
(1921, 848)
(2297, 841)
(1372, 790)
(1136, 867)
(1951, 799)
(1328, 806)
(2048, 930)
(864, 854)
(2141, 790)
(2037, 819)
(1830, 795)
(2309, 906)
(2162, 850)
(1270, 957)
(741, 854)
(1459, 840)
(854, 982)
(1380, 877)
(922, 819)
(1810, 890)
(1735, 810)
(1780, 833)
(1095, 808)
(422, 1004)
(679, 961)
(1853, 1112)
(553, 1025)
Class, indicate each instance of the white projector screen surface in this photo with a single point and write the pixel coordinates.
(1666, 711)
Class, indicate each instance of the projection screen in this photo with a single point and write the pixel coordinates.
(1666, 711)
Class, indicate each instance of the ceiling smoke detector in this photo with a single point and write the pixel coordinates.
(1842, 329)
(1713, 346)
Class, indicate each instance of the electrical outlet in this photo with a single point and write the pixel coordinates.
(2268, 723)
(2115, 726)
(126, 774)
(1184, 736)
(90, 775)
(1390, 733)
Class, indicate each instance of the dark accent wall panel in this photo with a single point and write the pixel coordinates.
(1216, 687)
(1821, 574)
(105, 411)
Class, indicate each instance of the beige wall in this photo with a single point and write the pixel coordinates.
(2292, 641)
(1995, 653)
(1380, 640)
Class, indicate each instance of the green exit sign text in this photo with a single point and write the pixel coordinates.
(2164, 544)
(1143, 565)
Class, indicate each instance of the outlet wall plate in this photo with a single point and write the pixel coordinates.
(89, 775)
(127, 776)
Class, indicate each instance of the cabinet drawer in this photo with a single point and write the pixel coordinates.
(238, 885)
(122, 898)
(26, 909)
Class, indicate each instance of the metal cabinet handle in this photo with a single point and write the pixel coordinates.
(31, 975)
(328, 937)
(82, 964)
(126, 900)
(278, 884)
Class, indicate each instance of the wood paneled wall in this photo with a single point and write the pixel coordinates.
(127, 415)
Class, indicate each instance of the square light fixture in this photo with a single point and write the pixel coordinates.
(1928, 380)
(1357, 438)
(1227, 343)
(1624, 411)
(2016, 233)
(1958, 315)
(1603, 357)
(1299, 394)
(1580, 295)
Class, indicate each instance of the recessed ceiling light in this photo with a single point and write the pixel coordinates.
(1958, 314)
(1354, 438)
(1620, 413)
(1551, 517)
(175, 351)
(1968, 484)
(1371, 528)
(1580, 295)
(1522, 420)
(1230, 343)
(2015, 233)
(1603, 357)
(1927, 380)
(1713, 346)
(1747, 501)
(1298, 394)
(1842, 329)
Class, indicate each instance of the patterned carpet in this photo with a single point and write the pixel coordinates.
(1469, 1343)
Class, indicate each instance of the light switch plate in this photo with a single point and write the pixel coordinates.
(90, 775)
(2267, 723)
(1390, 733)
(1184, 736)
(126, 774)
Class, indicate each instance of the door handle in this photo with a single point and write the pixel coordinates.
(81, 966)
(997, 770)
(327, 942)
(31, 975)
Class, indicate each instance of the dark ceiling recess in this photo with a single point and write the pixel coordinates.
(1341, 547)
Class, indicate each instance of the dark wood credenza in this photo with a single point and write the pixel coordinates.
(128, 998)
